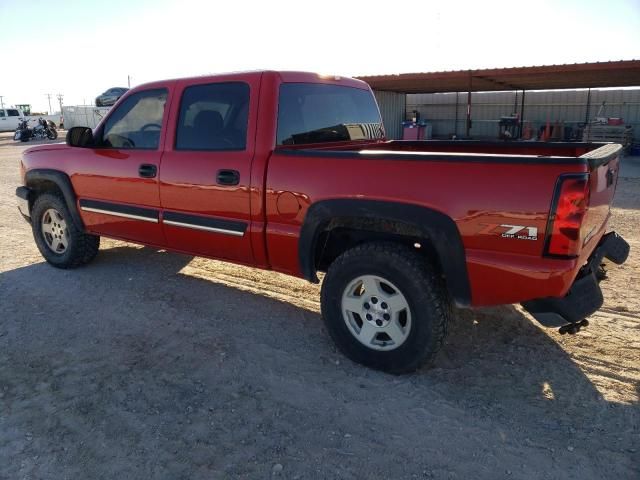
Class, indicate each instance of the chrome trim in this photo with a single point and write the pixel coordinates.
(118, 214)
(207, 229)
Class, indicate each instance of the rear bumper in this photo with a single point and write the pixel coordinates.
(585, 296)
(22, 198)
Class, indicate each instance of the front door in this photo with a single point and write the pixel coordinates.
(205, 174)
(117, 183)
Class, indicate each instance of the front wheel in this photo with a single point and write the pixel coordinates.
(52, 134)
(60, 242)
(385, 307)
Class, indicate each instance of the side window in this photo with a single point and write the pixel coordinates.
(136, 123)
(213, 117)
(13, 113)
(1, 113)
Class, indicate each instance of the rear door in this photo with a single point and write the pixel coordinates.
(117, 181)
(205, 176)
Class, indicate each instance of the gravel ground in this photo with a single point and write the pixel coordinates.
(148, 364)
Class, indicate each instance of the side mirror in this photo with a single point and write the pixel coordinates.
(80, 137)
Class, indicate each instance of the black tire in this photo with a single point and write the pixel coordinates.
(81, 247)
(422, 287)
(52, 134)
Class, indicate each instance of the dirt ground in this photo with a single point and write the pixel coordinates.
(147, 364)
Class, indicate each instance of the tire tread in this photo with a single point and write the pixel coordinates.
(85, 246)
(432, 291)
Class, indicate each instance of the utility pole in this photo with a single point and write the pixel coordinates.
(60, 97)
(1, 102)
(48, 95)
(129, 81)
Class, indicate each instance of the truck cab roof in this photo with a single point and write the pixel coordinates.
(284, 76)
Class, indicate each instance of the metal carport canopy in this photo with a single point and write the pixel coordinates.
(624, 73)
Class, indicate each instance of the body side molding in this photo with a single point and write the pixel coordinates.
(120, 210)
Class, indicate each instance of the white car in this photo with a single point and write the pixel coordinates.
(9, 119)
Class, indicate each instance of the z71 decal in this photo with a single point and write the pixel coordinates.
(519, 232)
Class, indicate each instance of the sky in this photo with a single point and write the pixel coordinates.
(81, 48)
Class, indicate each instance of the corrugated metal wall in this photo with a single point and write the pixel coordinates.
(392, 108)
(83, 116)
(569, 106)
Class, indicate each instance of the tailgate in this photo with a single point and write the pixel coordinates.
(603, 167)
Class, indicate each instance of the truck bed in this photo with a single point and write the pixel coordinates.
(538, 149)
(462, 179)
(563, 152)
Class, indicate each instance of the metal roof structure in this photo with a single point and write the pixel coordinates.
(623, 73)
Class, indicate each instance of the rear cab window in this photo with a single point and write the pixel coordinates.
(213, 117)
(136, 123)
(316, 113)
(13, 113)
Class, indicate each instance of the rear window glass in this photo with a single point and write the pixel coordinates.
(13, 113)
(213, 117)
(316, 113)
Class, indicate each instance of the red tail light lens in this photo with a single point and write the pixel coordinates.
(570, 203)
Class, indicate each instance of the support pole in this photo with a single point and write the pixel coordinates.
(455, 125)
(521, 115)
(469, 106)
(586, 115)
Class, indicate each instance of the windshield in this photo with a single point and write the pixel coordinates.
(316, 113)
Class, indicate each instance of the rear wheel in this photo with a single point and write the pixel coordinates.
(385, 307)
(60, 242)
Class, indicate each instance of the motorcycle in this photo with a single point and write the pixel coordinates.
(43, 129)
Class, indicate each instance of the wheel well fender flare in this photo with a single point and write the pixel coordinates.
(37, 176)
(440, 230)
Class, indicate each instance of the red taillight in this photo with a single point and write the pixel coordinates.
(570, 203)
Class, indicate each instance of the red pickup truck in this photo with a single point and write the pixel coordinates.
(291, 172)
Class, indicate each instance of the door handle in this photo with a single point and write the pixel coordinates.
(147, 170)
(228, 177)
